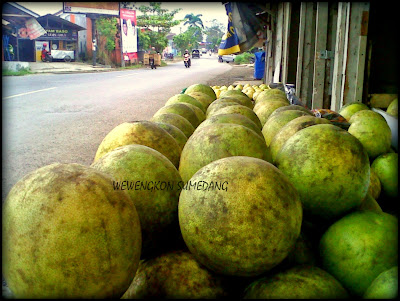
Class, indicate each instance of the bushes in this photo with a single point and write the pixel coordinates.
(243, 58)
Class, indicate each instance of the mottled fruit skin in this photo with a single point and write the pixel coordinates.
(300, 282)
(203, 98)
(375, 186)
(180, 122)
(68, 234)
(227, 229)
(218, 141)
(156, 203)
(178, 135)
(292, 107)
(271, 93)
(240, 99)
(201, 88)
(239, 109)
(199, 113)
(175, 275)
(146, 133)
(386, 168)
(385, 286)
(289, 129)
(219, 104)
(329, 168)
(232, 118)
(276, 122)
(185, 98)
(393, 108)
(369, 204)
(372, 130)
(264, 109)
(358, 247)
(351, 108)
(182, 110)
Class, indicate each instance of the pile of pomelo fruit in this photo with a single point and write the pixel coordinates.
(225, 192)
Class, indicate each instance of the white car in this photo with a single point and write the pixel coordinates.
(227, 58)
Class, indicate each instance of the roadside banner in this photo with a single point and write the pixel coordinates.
(128, 34)
(34, 29)
(230, 40)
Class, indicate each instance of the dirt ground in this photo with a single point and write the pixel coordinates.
(237, 73)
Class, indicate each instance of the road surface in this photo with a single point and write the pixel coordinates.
(63, 118)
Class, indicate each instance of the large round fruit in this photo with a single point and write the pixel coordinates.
(246, 223)
(177, 120)
(329, 167)
(393, 108)
(385, 286)
(151, 181)
(358, 247)
(182, 110)
(276, 122)
(68, 234)
(203, 98)
(185, 98)
(199, 113)
(179, 136)
(387, 169)
(299, 282)
(375, 185)
(141, 132)
(289, 129)
(271, 93)
(349, 109)
(201, 88)
(175, 275)
(218, 141)
(264, 109)
(232, 118)
(292, 107)
(219, 104)
(239, 109)
(372, 130)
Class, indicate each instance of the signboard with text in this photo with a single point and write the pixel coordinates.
(62, 34)
(128, 34)
(103, 8)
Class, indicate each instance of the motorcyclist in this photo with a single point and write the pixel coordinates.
(45, 53)
(187, 55)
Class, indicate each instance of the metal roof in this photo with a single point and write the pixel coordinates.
(43, 19)
(17, 14)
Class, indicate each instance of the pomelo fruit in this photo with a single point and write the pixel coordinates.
(68, 234)
(180, 122)
(141, 132)
(393, 108)
(185, 98)
(175, 275)
(352, 107)
(289, 129)
(292, 107)
(358, 247)
(199, 113)
(329, 167)
(299, 282)
(201, 88)
(151, 181)
(372, 130)
(203, 98)
(375, 186)
(275, 123)
(232, 118)
(264, 110)
(232, 92)
(182, 110)
(254, 203)
(385, 286)
(179, 136)
(239, 109)
(242, 100)
(387, 169)
(271, 92)
(218, 141)
(369, 203)
(219, 104)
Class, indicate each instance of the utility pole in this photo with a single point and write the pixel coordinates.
(120, 35)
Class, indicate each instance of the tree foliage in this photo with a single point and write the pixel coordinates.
(107, 27)
(188, 39)
(193, 21)
(214, 34)
(159, 21)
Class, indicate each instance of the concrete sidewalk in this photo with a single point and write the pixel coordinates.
(64, 67)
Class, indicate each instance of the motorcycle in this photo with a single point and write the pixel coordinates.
(46, 57)
(152, 64)
(186, 60)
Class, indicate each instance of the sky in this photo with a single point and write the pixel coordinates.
(209, 11)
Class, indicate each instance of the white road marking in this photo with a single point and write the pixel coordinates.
(12, 96)
(127, 75)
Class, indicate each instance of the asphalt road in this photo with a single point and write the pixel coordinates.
(63, 118)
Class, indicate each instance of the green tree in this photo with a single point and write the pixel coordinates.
(193, 21)
(159, 21)
(107, 29)
(188, 39)
(214, 34)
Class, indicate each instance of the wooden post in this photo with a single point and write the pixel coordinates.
(287, 7)
(319, 59)
(356, 52)
(339, 62)
(278, 44)
(300, 50)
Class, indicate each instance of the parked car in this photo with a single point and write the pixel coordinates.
(227, 58)
(195, 53)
